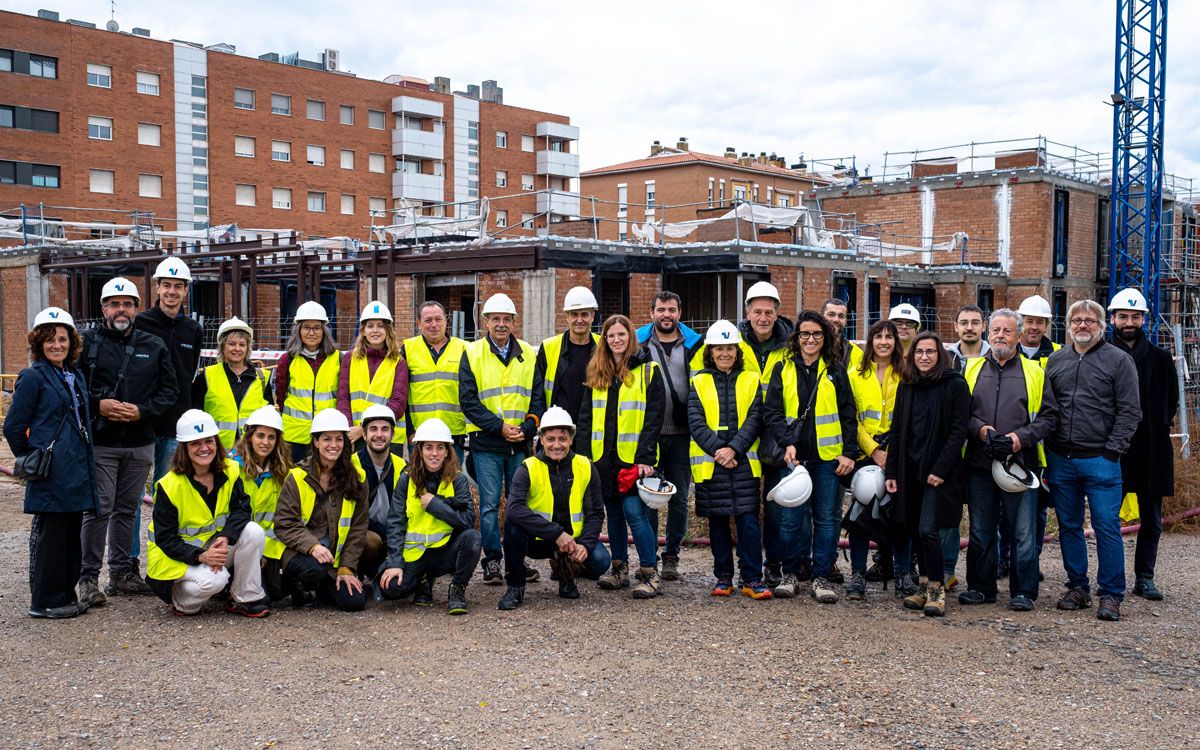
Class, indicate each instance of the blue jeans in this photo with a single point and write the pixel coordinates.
(1016, 515)
(951, 544)
(749, 547)
(1099, 480)
(164, 451)
(643, 524)
(674, 464)
(814, 527)
(860, 545)
(771, 516)
(493, 474)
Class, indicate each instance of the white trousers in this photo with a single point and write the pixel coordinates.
(200, 583)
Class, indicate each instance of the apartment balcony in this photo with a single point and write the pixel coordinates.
(421, 187)
(558, 164)
(557, 131)
(415, 107)
(558, 202)
(419, 144)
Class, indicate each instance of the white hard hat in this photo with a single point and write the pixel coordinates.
(264, 416)
(556, 416)
(329, 420)
(311, 311)
(905, 311)
(376, 411)
(1037, 306)
(119, 287)
(375, 311)
(53, 316)
(433, 430)
(580, 298)
(499, 303)
(655, 492)
(1129, 299)
(234, 324)
(1010, 476)
(867, 484)
(173, 267)
(793, 490)
(762, 289)
(194, 425)
(722, 332)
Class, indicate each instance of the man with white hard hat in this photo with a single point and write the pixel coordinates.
(907, 320)
(1148, 467)
(380, 468)
(1035, 344)
(562, 359)
(433, 360)
(496, 379)
(131, 382)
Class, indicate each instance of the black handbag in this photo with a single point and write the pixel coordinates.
(36, 463)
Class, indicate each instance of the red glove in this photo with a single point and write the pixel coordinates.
(626, 479)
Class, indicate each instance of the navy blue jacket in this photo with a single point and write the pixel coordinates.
(39, 404)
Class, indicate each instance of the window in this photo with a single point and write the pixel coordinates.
(348, 205)
(526, 183)
(45, 175)
(711, 190)
(501, 178)
(347, 158)
(316, 202)
(376, 205)
(99, 76)
(199, 156)
(6, 67)
(150, 185)
(472, 131)
(7, 118)
(473, 150)
(281, 198)
(281, 105)
(502, 218)
(376, 163)
(784, 201)
(149, 134)
(316, 156)
(200, 87)
(622, 200)
(199, 132)
(346, 114)
(243, 145)
(199, 109)
(281, 151)
(23, 118)
(43, 67)
(1062, 218)
(376, 120)
(200, 182)
(649, 195)
(558, 146)
(473, 170)
(473, 191)
(147, 83)
(315, 110)
(721, 192)
(100, 181)
(501, 139)
(527, 220)
(100, 128)
(243, 98)
(8, 171)
(43, 121)
(244, 195)
(527, 143)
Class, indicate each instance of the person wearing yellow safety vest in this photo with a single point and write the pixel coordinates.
(725, 421)
(1036, 345)
(562, 359)
(201, 528)
(380, 468)
(233, 388)
(265, 461)
(620, 433)
(555, 511)
(810, 410)
(433, 361)
(837, 314)
(431, 519)
(321, 519)
(496, 379)
(373, 372)
(306, 378)
(1012, 411)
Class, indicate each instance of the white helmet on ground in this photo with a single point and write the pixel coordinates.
(867, 484)
(194, 425)
(1129, 299)
(655, 492)
(499, 303)
(376, 411)
(234, 324)
(905, 311)
(556, 416)
(793, 490)
(53, 316)
(329, 420)
(722, 332)
(433, 430)
(311, 311)
(1011, 476)
(762, 289)
(264, 416)
(120, 286)
(375, 311)
(173, 267)
(579, 298)
(1037, 306)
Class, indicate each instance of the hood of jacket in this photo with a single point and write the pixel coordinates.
(690, 337)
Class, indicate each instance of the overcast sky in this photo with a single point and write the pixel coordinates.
(826, 79)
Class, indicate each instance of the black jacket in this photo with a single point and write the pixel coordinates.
(782, 434)
(729, 492)
(458, 511)
(1148, 467)
(537, 401)
(561, 477)
(1000, 399)
(1097, 394)
(184, 338)
(149, 383)
(781, 333)
(489, 438)
(166, 518)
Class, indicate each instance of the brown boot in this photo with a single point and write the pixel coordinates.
(649, 584)
(935, 600)
(917, 600)
(617, 577)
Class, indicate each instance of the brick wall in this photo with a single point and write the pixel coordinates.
(785, 279)
(14, 326)
(642, 288)
(508, 282)
(564, 280)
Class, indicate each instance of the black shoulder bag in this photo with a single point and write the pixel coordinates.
(35, 464)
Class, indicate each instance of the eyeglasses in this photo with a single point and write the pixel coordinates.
(925, 353)
(1084, 322)
(904, 324)
(806, 335)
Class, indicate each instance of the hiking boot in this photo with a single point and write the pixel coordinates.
(916, 600)
(822, 591)
(756, 590)
(856, 588)
(513, 596)
(491, 573)
(1077, 598)
(90, 593)
(532, 575)
(456, 599)
(976, 597)
(670, 568)
(1109, 609)
(649, 584)
(1145, 588)
(423, 596)
(723, 587)
(952, 582)
(260, 608)
(57, 613)
(567, 589)
(788, 587)
(836, 575)
(905, 586)
(617, 576)
(1020, 603)
(127, 584)
(773, 574)
(935, 600)
(879, 572)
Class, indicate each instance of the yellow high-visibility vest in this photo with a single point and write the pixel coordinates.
(552, 349)
(229, 415)
(1035, 378)
(307, 394)
(308, 500)
(425, 530)
(366, 389)
(433, 386)
(541, 493)
(749, 362)
(875, 402)
(746, 390)
(197, 524)
(631, 413)
(825, 415)
(504, 390)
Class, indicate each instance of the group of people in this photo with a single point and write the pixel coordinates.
(349, 476)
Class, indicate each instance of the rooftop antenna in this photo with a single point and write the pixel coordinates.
(112, 24)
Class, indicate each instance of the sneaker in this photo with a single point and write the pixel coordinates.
(723, 588)
(975, 597)
(649, 584)
(670, 567)
(127, 584)
(423, 596)
(1020, 603)
(773, 574)
(823, 591)
(260, 608)
(456, 599)
(303, 599)
(90, 593)
(836, 575)
(935, 600)
(756, 590)
(905, 586)
(491, 573)
(1145, 588)
(513, 596)
(617, 576)
(1074, 599)
(916, 600)
(568, 590)
(1109, 609)
(57, 613)
(951, 582)
(532, 575)
(856, 588)
(787, 587)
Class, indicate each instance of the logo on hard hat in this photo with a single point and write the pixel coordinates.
(725, 334)
(173, 271)
(376, 308)
(198, 427)
(53, 315)
(119, 287)
(1132, 301)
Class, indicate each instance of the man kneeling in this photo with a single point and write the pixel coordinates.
(555, 510)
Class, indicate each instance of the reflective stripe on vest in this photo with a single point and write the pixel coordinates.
(552, 351)
(825, 415)
(307, 394)
(308, 499)
(541, 492)
(875, 410)
(503, 389)
(631, 413)
(366, 389)
(219, 403)
(197, 524)
(262, 507)
(425, 530)
(1035, 378)
(433, 386)
(745, 389)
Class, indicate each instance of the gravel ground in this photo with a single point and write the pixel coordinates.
(605, 671)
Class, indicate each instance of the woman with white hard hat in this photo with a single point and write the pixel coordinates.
(321, 520)
(202, 528)
(49, 410)
(306, 378)
(430, 529)
(373, 372)
(232, 388)
(265, 461)
(725, 421)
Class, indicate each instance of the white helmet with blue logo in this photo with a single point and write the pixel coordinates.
(120, 287)
(194, 425)
(54, 316)
(1129, 299)
(722, 332)
(375, 311)
(173, 267)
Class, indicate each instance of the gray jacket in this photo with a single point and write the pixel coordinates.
(1000, 400)
(1097, 395)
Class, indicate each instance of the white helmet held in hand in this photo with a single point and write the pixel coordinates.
(793, 490)
(329, 420)
(655, 492)
(433, 430)
(722, 332)
(173, 267)
(264, 416)
(1011, 476)
(1037, 306)
(311, 311)
(120, 287)
(1129, 299)
(905, 311)
(194, 425)
(762, 289)
(579, 298)
(234, 324)
(556, 416)
(375, 311)
(376, 411)
(499, 303)
(867, 484)
(53, 316)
